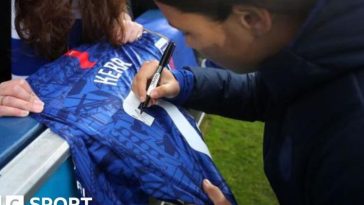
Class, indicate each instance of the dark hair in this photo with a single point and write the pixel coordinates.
(220, 10)
(46, 24)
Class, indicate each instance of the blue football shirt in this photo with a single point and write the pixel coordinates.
(121, 156)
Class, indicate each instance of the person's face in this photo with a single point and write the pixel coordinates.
(222, 42)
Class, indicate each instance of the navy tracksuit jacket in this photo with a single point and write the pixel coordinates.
(311, 98)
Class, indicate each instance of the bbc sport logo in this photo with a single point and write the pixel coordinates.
(12, 200)
(19, 200)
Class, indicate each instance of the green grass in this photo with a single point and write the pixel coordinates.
(236, 148)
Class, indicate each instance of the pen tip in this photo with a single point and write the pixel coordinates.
(140, 107)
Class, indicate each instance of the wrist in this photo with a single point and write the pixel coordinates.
(185, 80)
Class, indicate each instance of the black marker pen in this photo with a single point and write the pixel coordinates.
(157, 75)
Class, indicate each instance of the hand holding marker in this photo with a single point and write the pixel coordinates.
(157, 75)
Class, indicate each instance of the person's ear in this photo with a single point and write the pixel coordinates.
(257, 20)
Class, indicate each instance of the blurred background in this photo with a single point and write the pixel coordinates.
(236, 148)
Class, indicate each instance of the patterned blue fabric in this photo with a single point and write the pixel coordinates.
(119, 159)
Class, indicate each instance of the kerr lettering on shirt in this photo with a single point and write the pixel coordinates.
(111, 72)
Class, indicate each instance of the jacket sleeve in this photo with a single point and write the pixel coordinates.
(222, 92)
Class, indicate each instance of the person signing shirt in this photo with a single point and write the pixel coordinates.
(299, 68)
